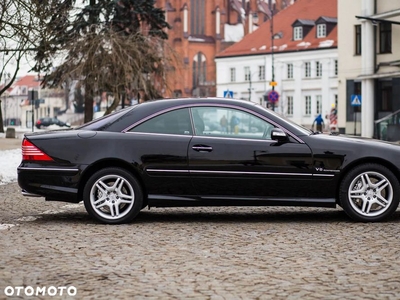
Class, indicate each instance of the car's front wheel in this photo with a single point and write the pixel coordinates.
(113, 196)
(369, 193)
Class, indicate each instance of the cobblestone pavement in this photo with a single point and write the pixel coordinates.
(196, 253)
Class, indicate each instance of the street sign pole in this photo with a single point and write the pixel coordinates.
(355, 121)
(355, 100)
(273, 97)
(32, 96)
(33, 106)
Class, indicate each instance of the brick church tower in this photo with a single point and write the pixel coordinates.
(203, 28)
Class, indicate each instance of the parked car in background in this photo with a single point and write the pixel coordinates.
(163, 154)
(47, 121)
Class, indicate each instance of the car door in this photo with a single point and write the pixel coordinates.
(160, 148)
(241, 161)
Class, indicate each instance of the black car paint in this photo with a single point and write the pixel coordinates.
(172, 173)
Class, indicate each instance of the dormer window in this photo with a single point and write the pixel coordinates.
(298, 33)
(324, 26)
(278, 35)
(301, 28)
(321, 30)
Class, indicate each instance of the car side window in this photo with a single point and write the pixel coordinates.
(172, 122)
(229, 122)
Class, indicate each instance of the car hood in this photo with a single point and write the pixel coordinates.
(359, 139)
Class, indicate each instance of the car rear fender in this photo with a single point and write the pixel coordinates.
(90, 170)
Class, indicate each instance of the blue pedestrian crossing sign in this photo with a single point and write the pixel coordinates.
(228, 94)
(355, 100)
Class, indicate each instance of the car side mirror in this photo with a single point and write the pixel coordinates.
(279, 135)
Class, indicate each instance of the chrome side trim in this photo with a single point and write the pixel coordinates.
(249, 173)
(26, 194)
(161, 134)
(47, 169)
(239, 173)
(203, 136)
(167, 171)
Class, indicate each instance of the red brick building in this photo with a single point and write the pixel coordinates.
(200, 30)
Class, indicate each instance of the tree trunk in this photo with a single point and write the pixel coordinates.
(1, 119)
(114, 105)
(88, 103)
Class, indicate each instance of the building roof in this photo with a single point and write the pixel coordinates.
(26, 82)
(259, 41)
(30, 81)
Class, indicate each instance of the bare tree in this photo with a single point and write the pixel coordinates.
(18, 34)
(115, 64)
(110, 46)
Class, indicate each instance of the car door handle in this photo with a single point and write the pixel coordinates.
(202, 148)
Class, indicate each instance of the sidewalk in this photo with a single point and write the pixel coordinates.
(8, 144)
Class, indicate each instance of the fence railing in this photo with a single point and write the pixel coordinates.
(388, 127)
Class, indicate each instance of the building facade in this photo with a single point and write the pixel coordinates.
(294, 55)
(17, 108)
(200, 30)
(369, 73)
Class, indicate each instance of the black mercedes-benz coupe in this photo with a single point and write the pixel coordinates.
(208, 152)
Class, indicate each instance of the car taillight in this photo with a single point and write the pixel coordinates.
(33, 153)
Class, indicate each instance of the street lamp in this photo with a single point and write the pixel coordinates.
(250, 83)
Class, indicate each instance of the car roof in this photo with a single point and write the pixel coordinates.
(122, 119)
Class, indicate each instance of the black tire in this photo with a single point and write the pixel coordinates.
(369, 193)
(113, 196)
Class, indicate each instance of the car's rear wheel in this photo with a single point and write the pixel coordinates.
(369, 193)
(113, 196)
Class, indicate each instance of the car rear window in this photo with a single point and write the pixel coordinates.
(105, 121)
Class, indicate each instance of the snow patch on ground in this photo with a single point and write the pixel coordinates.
(9, 162)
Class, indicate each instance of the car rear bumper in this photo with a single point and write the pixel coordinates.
(55, 184)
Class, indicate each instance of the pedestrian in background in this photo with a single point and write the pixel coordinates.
(224, 124)
(320, 123)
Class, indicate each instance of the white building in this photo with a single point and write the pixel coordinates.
(302, 58)
(17, 109)
(369, 67)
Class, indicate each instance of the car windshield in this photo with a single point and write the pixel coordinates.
(105, 120)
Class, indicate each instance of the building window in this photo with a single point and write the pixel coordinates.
(358, 40)
(386, 96)
(336, 67)
(289, 71)
(318, 107)
(261, 72)
(307, 106)
(233, 74)
(199, 70)
(321, 30)
(307, 70)
(197, 16)
(318, 67)
(385, 37)
(298, 33)
(290, 105)
(247, 73)
(177, 94)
